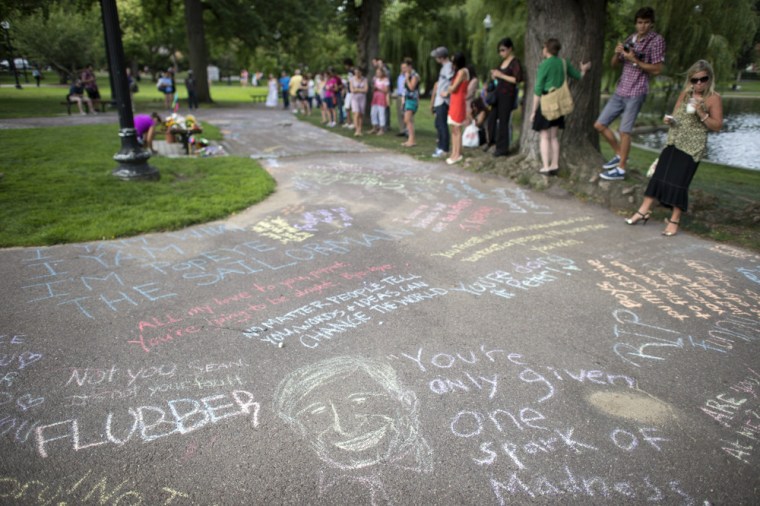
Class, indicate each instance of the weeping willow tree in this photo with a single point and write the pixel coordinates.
(509, 19)
(413, 29)
(713, 30)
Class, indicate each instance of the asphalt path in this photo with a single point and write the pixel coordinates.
(381, 330)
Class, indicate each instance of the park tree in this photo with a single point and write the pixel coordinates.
(64, 36)
(196, 48)
(509, 18)
(364, 22)
(579, 26)
(413, 29)
(713, 30)
(149, 40)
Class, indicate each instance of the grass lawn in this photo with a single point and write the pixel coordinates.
(55, 191)
(46, 100)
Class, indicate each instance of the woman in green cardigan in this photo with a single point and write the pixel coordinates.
(551, 74)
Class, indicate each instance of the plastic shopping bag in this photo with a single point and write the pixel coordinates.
(471, 136)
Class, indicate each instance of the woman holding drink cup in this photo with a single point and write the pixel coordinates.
(698, 110)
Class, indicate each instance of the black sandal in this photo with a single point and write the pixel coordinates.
(644, 218)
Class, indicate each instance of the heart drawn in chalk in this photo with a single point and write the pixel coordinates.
(26, 401)
(28, 358)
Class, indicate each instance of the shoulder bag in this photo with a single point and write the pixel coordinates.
(558, 101)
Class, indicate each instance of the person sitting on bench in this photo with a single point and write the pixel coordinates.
(76, 94)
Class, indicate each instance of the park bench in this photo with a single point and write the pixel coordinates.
(102, 105)
(259, 99)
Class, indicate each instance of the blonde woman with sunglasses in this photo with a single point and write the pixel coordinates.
(699, 110)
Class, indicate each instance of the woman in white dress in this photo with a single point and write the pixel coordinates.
(273, 92)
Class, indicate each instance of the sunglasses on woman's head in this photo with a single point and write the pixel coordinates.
(703, 79)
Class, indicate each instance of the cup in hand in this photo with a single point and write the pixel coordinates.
(691, 107)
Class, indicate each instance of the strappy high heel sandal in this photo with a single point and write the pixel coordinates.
(670, 234)
(644, 218)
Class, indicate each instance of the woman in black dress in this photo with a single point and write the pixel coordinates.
(507, 77)
(698, 110)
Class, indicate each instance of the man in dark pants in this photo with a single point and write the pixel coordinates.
(439, 105)
(284, 87)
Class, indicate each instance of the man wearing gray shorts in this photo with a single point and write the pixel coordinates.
(642, 55)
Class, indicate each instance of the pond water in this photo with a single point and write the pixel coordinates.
(738, 143)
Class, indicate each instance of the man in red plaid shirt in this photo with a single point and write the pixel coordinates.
(642, 55)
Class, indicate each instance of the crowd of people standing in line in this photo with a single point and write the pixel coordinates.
(457, 99)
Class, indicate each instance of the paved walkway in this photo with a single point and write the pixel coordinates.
(381, 330)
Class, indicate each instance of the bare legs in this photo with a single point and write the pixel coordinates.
(549, 145)
(456, 144)
(622, 148)
(79, 99)
(358, 121)
(149, 136)
(409, 122)
(645, 209)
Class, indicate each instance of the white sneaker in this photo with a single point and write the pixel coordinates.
(438, 153)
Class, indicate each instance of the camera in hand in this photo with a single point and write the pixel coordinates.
(627, 47)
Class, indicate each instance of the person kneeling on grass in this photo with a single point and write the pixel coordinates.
(146, 129)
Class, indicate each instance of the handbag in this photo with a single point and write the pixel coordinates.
(558, 101)
(491, 97)
(471, 136)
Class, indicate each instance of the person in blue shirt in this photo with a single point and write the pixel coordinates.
(400, 92)
(284, 87)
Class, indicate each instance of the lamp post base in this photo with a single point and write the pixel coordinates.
(133, 160)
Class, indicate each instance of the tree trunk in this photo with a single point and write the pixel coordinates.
(579, 26)
(196, 39)
(368, 36)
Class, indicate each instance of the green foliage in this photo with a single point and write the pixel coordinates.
(714, 30)
(151, 32)
(58, 188)
(509, 20)
(415, 28)
(67, 38)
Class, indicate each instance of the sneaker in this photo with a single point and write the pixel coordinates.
(612, 163)
(438, 153)
(613, 175)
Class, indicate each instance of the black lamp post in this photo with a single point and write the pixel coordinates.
(11, 62)
(132, 159)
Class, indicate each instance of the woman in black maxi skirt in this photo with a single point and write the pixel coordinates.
(698, 110)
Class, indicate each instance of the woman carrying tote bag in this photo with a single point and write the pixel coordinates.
(551, 75)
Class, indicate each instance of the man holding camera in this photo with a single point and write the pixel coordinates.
(642, 55)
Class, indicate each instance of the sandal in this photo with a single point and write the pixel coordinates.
(644, 218)
(671, 222)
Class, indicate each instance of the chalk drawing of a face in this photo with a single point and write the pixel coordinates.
(355, 414)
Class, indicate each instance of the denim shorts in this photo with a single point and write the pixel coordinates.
(629, 107)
